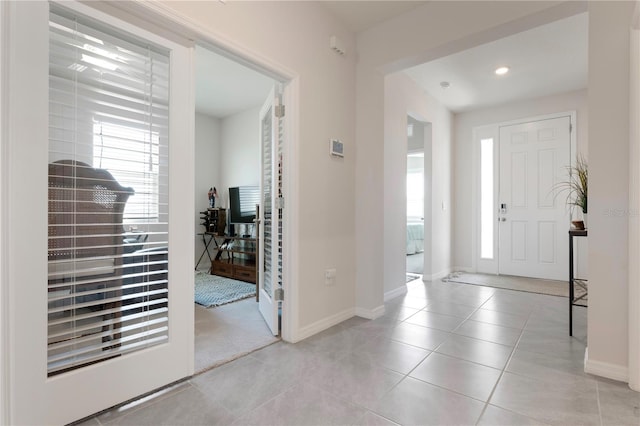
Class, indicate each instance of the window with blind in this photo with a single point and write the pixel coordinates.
(108, 190)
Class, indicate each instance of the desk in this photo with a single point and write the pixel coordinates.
(207, 243)
(573, 281)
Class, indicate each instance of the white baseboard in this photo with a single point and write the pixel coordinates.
(437, 276)
(605, 369)
(395, 293)
(371, 313)
(467, 269)
(323, 324)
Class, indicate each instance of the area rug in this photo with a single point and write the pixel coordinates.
(212, 290)
(531, 285)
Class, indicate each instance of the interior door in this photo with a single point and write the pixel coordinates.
(270, 256)
(533, 220)
(35, 397)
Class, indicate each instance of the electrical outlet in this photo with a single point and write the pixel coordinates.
(330, 277)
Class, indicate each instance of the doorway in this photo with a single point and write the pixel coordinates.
(521, 216)
(229, 99)
(418, 197)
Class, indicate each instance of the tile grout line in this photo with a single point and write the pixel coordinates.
(504, 369)
(598, 401)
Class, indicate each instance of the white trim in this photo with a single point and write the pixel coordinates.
(163, 16)
(27, 144)
(634, 208)
(466, 269)
(158, 14)
(437, 276)
(370, 314)
(5, 328)
(391, 294)
(475, 196)
(324, 323)
(483, 132)
(605, 369)
(290, 261)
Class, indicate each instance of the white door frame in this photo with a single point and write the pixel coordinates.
(5, 368)
(24, 233)
(427, 214)
(493, 131)
(267, 303)
(157, 18)
(163, 19)
(634, 206)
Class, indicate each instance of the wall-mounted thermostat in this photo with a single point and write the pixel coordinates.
(336, 148)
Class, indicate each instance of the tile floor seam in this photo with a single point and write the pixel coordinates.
(449, 390)
(483, 340)
(598, 401)
(246, 413)
(377, 414)
(396, 385)
(504, 370)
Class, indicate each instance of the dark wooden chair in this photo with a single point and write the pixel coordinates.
(85, 250)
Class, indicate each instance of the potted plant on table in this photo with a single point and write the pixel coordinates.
(577, 187)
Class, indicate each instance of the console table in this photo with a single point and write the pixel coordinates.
(240, 260)
(206, 242)
(573, 281)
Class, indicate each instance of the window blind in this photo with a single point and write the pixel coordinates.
(108, 190)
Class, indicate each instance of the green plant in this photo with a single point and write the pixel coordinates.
(577, 185)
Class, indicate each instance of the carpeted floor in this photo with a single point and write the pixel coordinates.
(531, 285)
(212, 290)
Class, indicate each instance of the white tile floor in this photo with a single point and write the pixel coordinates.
(444, 353)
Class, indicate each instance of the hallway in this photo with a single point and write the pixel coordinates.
(444, 353)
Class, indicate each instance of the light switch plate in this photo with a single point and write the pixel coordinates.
(336, 148)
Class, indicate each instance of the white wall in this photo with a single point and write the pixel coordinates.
(415, 142)
(464, 168)
(609, 25)
(431, 31)
(325, 194)
(240, 151)
(207, 171)
(403, 96)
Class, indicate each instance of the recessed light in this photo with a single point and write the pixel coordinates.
(502, 70)
(445, 84)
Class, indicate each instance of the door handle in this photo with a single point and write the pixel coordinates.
(503, 219)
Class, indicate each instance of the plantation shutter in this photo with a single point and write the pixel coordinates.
(267, 202)
(279, 197)
(108, 190)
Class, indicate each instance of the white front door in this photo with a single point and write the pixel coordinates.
(533, 219)
(35, 395)
(270, 255)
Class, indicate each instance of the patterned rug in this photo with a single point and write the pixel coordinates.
(212, 290)
(531, 285)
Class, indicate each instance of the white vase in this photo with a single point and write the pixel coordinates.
(584, 219)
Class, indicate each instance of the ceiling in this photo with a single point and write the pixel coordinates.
(224, 87)
(543, 61)
(361, 15)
